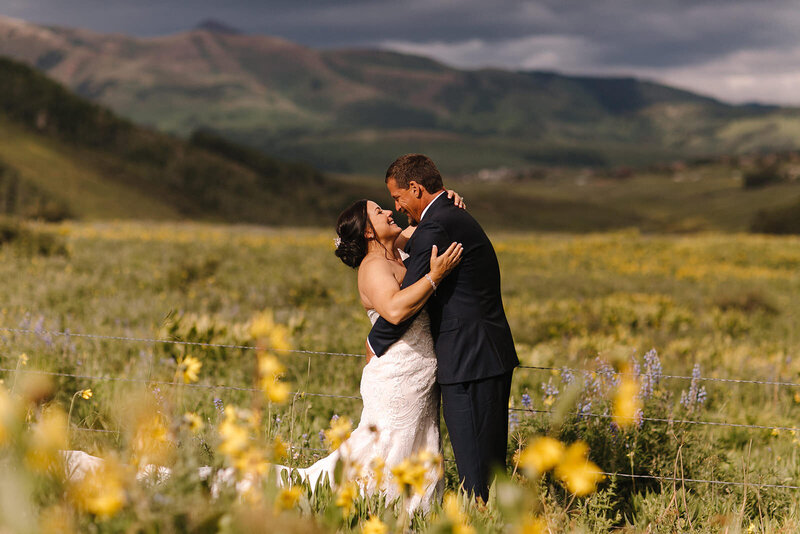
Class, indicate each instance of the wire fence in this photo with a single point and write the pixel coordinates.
(68, 333)
(302, 394)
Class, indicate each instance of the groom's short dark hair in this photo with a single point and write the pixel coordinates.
(417, 168)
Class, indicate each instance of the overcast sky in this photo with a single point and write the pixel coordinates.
(738, 51)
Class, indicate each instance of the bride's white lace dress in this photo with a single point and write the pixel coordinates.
(400, 416)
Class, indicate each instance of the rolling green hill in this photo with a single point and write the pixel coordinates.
(355, 110)
(61, 156)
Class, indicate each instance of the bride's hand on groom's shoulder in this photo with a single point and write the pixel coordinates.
(458, 200)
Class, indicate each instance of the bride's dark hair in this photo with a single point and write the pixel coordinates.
(351, 227)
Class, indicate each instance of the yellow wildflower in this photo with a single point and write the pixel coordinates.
(234, 436)
(253, 461)
(151, 442)
(277, 391)
(338, 432)
(269, 365)
(101, 492)
(193, 421)
(411, 472)
(189, 369)
(23, 359)
(377, 465)
(776, 432)
(626, 402)
(541, 456)
(346, 497)
(374, 525)
(287, 498)
(576, 471)
(534, 525)
(797, 397)
(457, 517)
(279, 451)
(86, 393)
(48, 437)
(261, 325)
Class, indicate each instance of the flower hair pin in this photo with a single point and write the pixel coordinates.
(337, 242)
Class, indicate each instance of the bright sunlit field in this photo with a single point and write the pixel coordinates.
(580, 306)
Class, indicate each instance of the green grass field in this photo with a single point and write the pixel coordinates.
(728, 303)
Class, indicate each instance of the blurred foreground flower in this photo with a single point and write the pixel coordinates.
(151, 442)
(541, 456)
(340, 430)
(534, 525)
(346, 497)
(453, 512)
(626, 402)
(577, 472)
(416, 471)
(374, 525)
(47, 438)
(193, 422)
(189, 369)
(270, 371)
(287, 498)
(266, 331)
(102, 491)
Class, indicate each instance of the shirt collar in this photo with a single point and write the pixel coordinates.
(430, 204)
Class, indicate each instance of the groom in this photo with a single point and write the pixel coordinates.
(474, 348)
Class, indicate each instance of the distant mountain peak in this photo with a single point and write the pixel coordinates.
(217, 26)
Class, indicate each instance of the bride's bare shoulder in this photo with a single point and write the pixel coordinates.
(373, 265)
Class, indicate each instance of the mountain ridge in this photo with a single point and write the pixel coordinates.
(356, 109)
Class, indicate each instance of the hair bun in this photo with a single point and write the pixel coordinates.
(352, 252)
(351, 247)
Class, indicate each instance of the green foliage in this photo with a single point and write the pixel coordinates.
(762, 177)
(22, 198)
(208, 178)
(29, 241)
(780, 220)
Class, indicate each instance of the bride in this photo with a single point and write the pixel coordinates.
(400, 416)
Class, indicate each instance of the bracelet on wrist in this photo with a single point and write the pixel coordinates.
(433, 284)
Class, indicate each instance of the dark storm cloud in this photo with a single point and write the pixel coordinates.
(635, 36)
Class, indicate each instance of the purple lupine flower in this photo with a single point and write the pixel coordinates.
(218, 404)
(322, 436)
(697, 394)
(513, 421)
(567, 376)
(526, 400)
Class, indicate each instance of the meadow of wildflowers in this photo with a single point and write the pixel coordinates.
(187, 432)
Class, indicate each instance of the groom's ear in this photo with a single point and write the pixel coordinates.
(416, 189)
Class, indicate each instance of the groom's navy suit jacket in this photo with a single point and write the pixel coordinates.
(468, 323)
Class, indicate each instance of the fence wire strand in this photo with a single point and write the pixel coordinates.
(68, 334)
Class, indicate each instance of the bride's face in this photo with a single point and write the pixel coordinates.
(382, 221)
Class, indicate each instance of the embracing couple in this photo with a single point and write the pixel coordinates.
(432, 292)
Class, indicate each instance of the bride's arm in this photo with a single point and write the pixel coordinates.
(377, 283)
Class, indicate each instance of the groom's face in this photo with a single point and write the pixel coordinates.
(405, 200)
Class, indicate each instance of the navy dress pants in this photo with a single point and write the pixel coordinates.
(476, 415)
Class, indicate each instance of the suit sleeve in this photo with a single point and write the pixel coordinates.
(384, 333)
